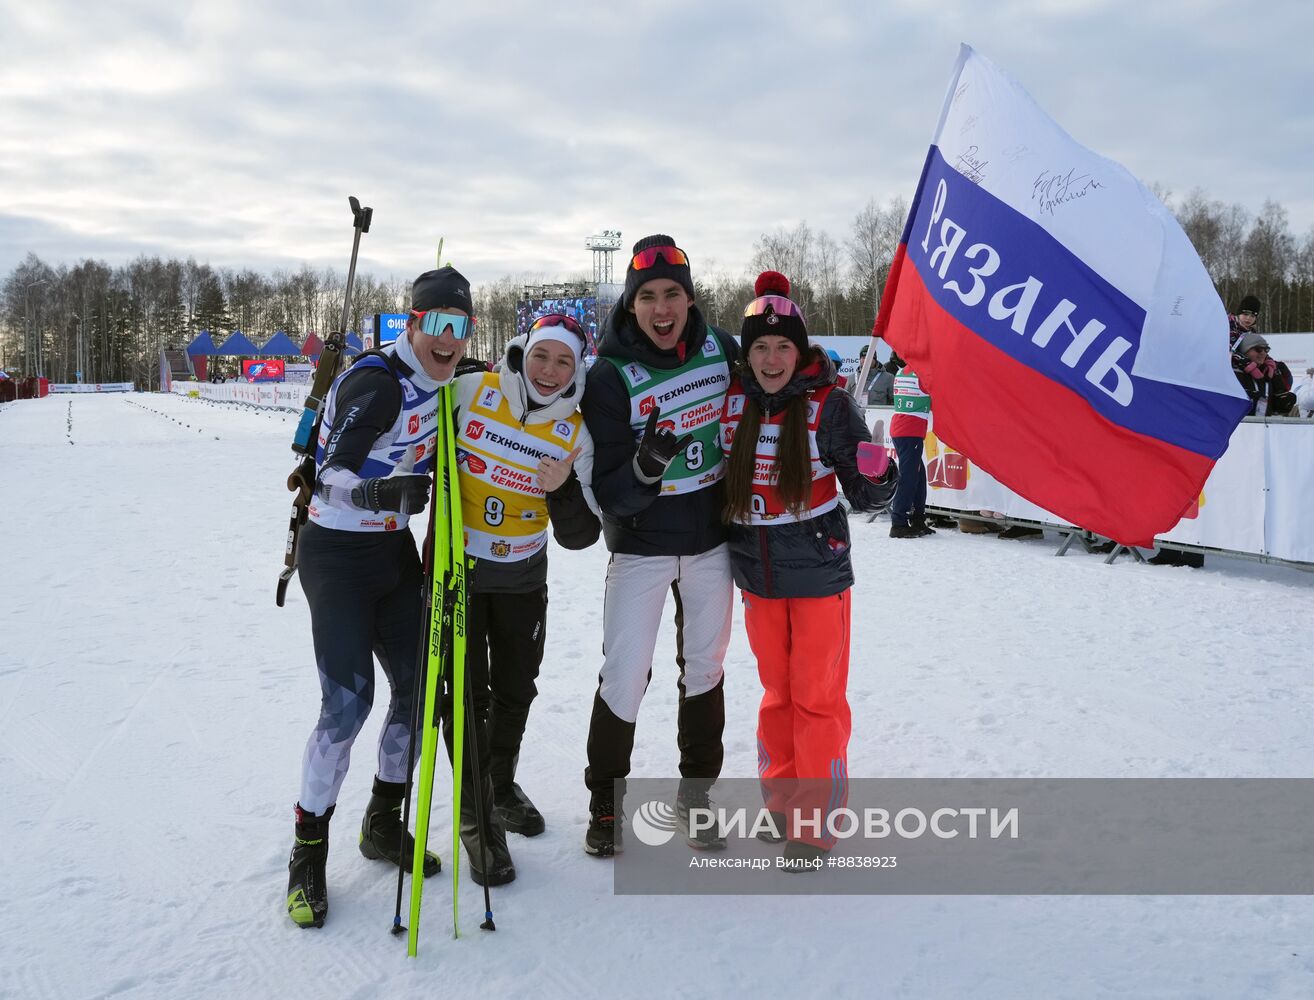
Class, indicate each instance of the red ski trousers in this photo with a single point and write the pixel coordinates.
(803, 724)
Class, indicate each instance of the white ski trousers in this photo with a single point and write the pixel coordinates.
(632, 613)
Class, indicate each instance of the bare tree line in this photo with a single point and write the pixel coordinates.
(111, 323)
(837, 284)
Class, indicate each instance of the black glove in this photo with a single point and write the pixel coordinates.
(403, 494)
(658, 448)
(880, 492)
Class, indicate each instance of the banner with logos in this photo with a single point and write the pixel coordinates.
(288, 396)
(265, 370)
(381, 329)
(92, 386)
(1254, 501)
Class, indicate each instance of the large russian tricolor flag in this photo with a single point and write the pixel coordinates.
(1073, 344)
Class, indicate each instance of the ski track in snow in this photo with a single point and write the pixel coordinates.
(154, 704)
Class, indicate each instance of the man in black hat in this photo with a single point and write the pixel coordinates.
(880, 383)
(1244, 320)
(653, 407)
(361, 574)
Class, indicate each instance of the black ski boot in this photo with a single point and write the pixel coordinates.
(511, 805)
(307, 887)
(603, 838)
(776, 834)
(800, 857)
(381, 834)
(693, 795)
(496, 855)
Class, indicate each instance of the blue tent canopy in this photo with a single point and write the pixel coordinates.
(203, 344)
(281, 345)
(237, 343)
(355, 342)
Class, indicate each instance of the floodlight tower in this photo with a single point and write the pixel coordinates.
(604, 247)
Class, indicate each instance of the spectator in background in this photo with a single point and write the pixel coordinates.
(1265, 381)
(880, 382)
(835, 359)
(1243, 322)
(912, 413)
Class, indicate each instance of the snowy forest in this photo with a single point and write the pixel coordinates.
(110, 323)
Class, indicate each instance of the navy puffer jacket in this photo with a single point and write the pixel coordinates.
(810, 558)
(636, 517)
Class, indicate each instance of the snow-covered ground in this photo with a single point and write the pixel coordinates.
(154, 704)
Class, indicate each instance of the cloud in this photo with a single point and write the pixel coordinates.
(234, 132)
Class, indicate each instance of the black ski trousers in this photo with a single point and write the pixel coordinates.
(363, 588)
(505, 635)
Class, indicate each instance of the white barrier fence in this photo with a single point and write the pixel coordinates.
(91, 386)
(1256, 500)
(283, 395)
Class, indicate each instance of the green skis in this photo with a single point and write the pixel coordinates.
(445, 662)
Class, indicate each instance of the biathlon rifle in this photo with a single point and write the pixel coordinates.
(302, 480)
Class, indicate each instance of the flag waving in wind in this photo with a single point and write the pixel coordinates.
(1073, 343)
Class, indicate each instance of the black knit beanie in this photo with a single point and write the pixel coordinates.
(1249, 304)
(660, 269)
(443, 287)
(769, 321)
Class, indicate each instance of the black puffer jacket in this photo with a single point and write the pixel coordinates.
(810, 558)
(1275, 388)
(636, 518)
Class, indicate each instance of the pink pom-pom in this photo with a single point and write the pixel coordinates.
(771, 283)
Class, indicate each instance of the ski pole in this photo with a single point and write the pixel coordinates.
(418, 690)
(461, 694)
(481, 818)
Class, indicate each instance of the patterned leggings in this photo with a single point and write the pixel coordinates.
(363, 589)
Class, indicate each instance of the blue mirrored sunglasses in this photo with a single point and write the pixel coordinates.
(434, 323)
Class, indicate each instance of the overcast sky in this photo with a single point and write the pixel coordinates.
(233, 131)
